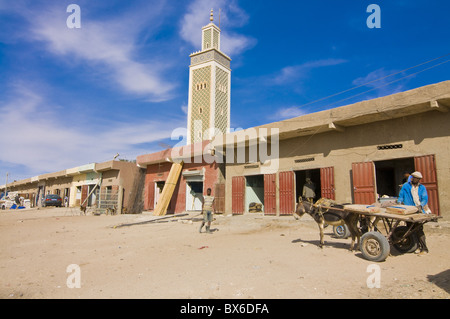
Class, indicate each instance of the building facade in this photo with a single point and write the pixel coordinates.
(200, 170)
(353, 154)
(113, 185)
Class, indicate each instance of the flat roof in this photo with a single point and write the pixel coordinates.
(415, 101)
(173, 154)
(83, 169)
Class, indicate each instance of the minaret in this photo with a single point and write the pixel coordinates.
(209, 88)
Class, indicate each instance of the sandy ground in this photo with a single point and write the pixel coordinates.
(246, 257)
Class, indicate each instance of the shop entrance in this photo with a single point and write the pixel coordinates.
(300, 182)
(159, 186)
(389, 175)
(373, 180)
(66, 198)
(254, 193)
(194, 195)
(93, 191)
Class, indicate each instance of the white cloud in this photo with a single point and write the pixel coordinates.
(234, 44)
(379, 81)
(293, 73)
(108, 46)
(39, 139)
(287, 113)
(232, 16)
(185, 109)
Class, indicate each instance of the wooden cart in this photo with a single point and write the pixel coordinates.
(382, 229)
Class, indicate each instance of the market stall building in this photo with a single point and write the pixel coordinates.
(353, 154)
(115, 186)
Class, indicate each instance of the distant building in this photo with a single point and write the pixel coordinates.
(113, 185)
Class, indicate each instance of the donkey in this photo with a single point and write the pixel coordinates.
(330, 216)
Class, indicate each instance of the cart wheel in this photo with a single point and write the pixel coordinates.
(405, 245)
(374, 246)
(341, 231)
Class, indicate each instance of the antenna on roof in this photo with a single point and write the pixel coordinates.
(219, 16)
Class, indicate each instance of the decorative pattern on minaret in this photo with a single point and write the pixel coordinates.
(209, 88)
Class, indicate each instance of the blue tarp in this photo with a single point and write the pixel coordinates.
(14, 206)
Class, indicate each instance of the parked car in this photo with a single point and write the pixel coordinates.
(52, 200)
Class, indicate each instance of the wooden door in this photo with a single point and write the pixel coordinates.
(287, 192)
(327, 189)
(84, 193)
(270, 188)
(219, 198)
(427, 166)
(238, 195)
(364, 188)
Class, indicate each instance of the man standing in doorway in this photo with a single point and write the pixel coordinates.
(415, 194)
(208, 208)
(309, 190)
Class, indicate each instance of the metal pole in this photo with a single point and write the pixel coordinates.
(6, 183)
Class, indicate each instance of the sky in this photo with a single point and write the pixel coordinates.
(118, 83)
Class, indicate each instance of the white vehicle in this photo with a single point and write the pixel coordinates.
(7, 201)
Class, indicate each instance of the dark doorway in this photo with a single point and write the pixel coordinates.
(159, 186)
(389, 175)
(300, 181)
(254, 193)
(194, 195)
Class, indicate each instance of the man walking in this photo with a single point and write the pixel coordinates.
(415, 194)
(208, 208)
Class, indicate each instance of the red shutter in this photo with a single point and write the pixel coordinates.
(219, 198)
(364, 183)
(327, 189)
(84, 194)
(427, 166)
(287, 196)
(238, 191)
(270, 188)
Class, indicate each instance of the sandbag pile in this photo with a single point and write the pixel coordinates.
(255, 207)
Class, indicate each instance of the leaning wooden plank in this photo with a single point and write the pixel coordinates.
(169, 187)
(93, 189)
(151, 220)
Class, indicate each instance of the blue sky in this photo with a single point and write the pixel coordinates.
(119, 84)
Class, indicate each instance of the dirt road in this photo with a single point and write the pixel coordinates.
(249, 256)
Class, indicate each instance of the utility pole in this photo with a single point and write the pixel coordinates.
(6, 183)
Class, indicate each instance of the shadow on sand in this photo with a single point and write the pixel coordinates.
(442, 280)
